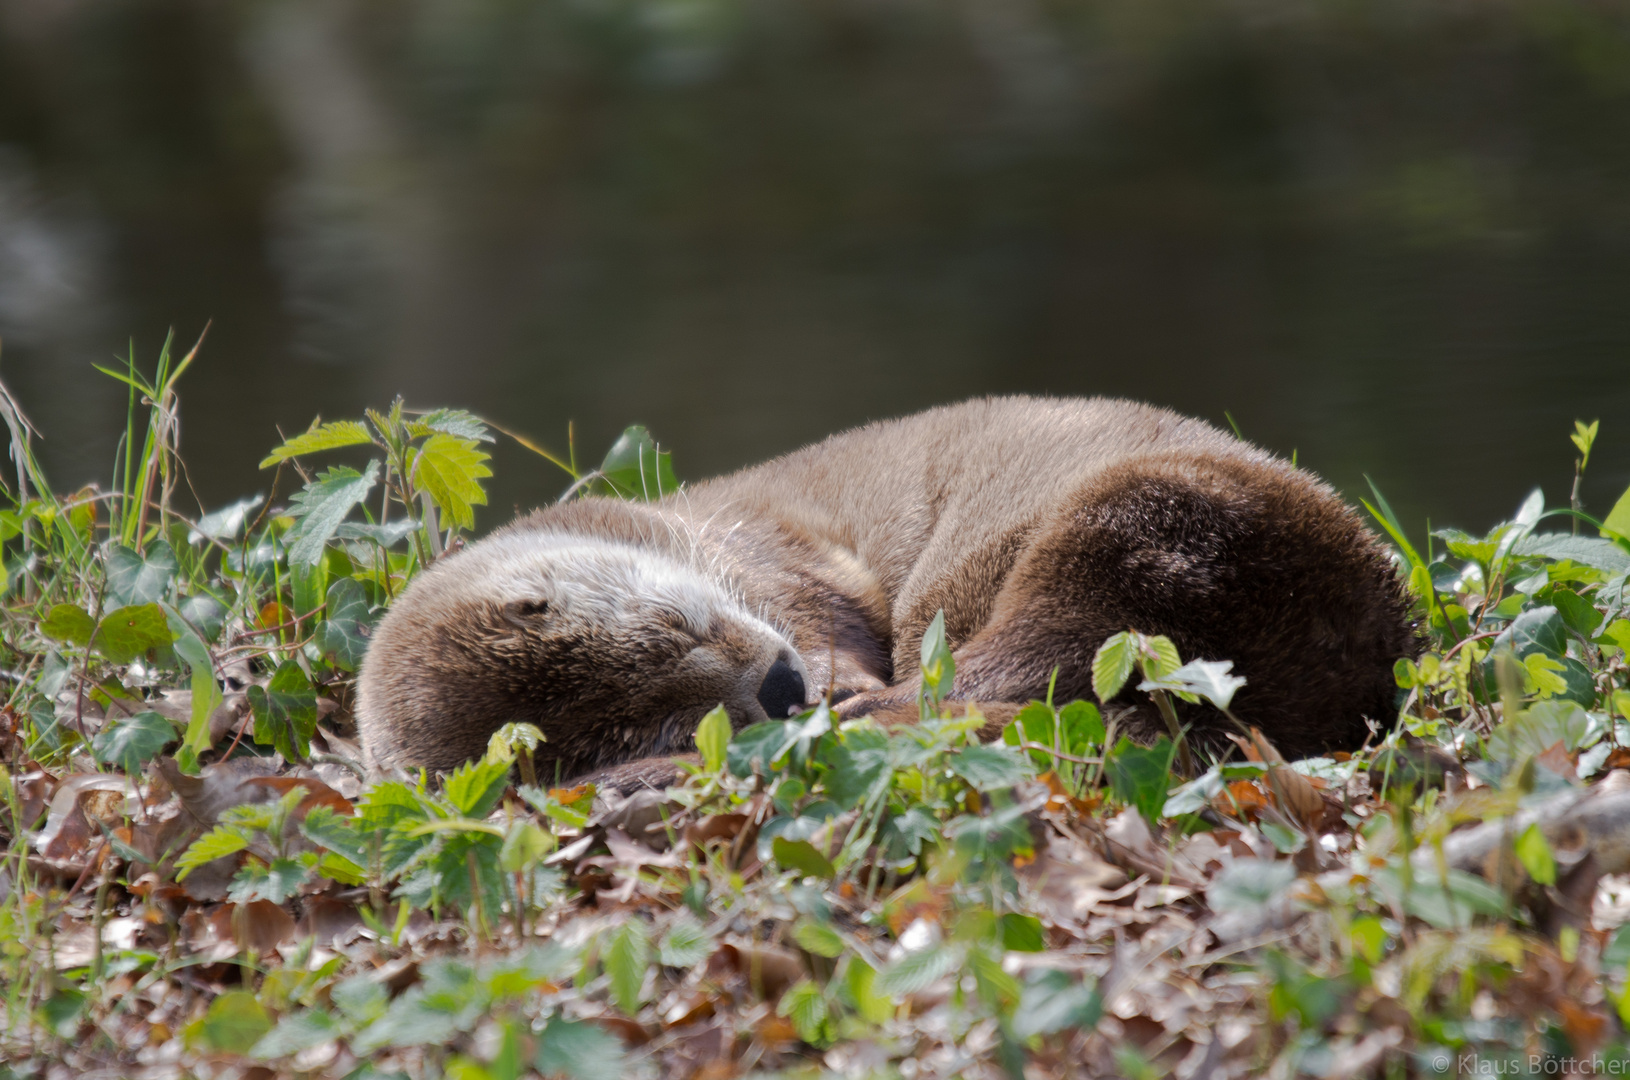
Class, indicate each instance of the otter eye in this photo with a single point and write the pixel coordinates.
(519, 612)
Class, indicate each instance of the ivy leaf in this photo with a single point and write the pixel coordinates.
(320, 436)
(627, 958)
(1141, 775)
(636, 468)
(323, 505)
(68, 622)
(129, 632)
(285, 711)
(134, 741)
(135, 579)
(451, 470)
(1112, 665)
(1051, 1001)
(225, 523)
(987, 768)
(343, 635)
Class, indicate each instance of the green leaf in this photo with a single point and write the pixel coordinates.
(987, 768)
(1082, 725)
(805, 1005)
(133, 579)
(297, 1032)
(818, 938)
(475, 787)
(713, 739)
(1112, 665)
(1535, 855)
(451, 470)
(320, 436)
(129, 632)
(627, 959)
(524, 845)
(224, 524)
(276, 881)
(918, 970)
(939, 666)
(206, 692)
(857, 767)
(580, 1050)
(1052, 1001)
(465, 425)
(343, 635)
(1447, 902)
(234, 1023)
(218, 842)
(636, 468)
(1585, 550)
(860, 980)
(1210, 679)
(1141, 775)
(133, 742)
(685, 945)
(1248, 884)
(1022, 933)
(802, 856)
(1165, 660)
(1389, 521)
(322, 506)
(1617, 521)
(68, 622)
(1580, 614)
(285, 712)
(754, 748)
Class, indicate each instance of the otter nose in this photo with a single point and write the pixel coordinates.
(782, 693)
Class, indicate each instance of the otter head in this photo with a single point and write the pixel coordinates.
(612, 650)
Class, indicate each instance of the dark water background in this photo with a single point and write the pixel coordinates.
(1392, 236)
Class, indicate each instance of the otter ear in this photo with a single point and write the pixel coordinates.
(525, 614)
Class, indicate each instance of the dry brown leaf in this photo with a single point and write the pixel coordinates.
(767, 968)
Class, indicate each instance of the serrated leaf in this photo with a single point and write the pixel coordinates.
(685, 945)
(1210, 679)
(343, 635)
(320, 436)
(818, 938)
(322, 505)
(1140, 775)
(134, 741)
(627, 959)
(384, 535)
(297, 1032)
(465, 425)
(580, 1050)
(285, 711)
(337, 832)
(804, 1005)
(68, 622)
(1585, 550)
(218, 842)
(276, 881)
(475, 787)
(451, 470)
(129, 632)
(918, 970)
(137, 579)
(713, 739)
(1112, 665)
(1022, 933)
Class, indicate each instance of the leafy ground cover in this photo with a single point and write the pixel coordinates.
(197, 879)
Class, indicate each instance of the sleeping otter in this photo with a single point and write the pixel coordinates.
(1039, 526)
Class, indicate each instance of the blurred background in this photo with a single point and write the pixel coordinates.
(1390, 235)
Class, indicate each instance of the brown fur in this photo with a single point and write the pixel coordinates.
(1040, 527)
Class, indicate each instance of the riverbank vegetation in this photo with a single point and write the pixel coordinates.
(198, 880)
